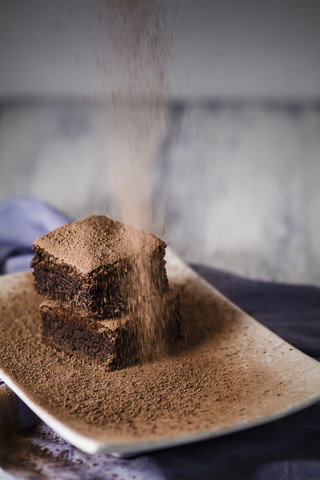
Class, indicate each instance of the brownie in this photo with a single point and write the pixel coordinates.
(116, 342)
(99, 267)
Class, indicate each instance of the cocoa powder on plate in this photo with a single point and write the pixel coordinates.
(226, 371)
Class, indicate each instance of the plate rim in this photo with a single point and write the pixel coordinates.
(92, 446)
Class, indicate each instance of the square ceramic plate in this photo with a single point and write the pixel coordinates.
(253, 375)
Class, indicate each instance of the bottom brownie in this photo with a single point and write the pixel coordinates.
(150, 329)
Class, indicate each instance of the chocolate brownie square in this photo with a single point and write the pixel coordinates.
(99, 267)
(151, 329)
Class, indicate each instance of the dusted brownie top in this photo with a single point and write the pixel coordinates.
(96, 241)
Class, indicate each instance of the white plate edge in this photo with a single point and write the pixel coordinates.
(91, 446)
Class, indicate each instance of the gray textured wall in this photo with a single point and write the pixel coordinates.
(238, 181)
(238, 185)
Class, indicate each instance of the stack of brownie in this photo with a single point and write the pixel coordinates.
(104, 284)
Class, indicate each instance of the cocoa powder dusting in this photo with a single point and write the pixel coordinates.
(227, 369)
(137, 33)
(94, 242)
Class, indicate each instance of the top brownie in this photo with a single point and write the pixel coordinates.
(98, 266)
(94, 242)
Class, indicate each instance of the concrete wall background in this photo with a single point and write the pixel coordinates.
(238, 185)
(238, 177)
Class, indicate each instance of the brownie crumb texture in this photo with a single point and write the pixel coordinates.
(106, 292)
(105, 267)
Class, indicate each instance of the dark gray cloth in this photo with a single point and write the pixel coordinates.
(291, 311)
(285, 449)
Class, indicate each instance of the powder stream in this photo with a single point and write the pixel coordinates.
(137, 32)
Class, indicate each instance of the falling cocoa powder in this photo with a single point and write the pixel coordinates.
(229, 370)
(134, 51)
(133, 48)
